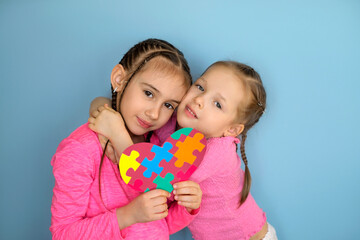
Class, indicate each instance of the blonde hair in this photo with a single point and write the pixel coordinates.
(249, 111)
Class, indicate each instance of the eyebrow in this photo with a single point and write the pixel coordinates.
(220, 96)
(156, 90)
(151, 86)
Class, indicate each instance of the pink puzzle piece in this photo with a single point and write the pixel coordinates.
(185, 176)
(139, 182)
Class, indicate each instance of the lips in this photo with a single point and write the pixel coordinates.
(143, 123)
(190, 112)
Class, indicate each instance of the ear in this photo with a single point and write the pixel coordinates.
(234, 130)
(118, 77)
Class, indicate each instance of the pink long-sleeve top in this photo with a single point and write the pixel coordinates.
(221, 180)
(77, 210)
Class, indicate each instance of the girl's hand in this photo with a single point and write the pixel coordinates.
(149, 206)
(106, 121)
(188, 194)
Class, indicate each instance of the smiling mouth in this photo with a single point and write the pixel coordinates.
(190, 112)
(144, 123)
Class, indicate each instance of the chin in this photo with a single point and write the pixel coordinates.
(137, 131)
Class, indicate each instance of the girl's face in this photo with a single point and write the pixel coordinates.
(150, 98)
(211, 103)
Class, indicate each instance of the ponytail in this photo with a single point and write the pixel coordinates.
(247, 179)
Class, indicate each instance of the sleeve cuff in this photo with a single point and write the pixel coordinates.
(120, 234)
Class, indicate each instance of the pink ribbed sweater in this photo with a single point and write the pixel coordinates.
(77, 209)
(221, 179)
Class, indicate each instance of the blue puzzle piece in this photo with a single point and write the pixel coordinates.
(160, 154)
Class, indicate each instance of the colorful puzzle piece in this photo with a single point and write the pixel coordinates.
(184, 176)
(145, 166)
(128, 162)
(160, 154)
(186, 148)
(185, 131)
(164, 183)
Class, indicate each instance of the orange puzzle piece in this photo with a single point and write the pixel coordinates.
(186, 149)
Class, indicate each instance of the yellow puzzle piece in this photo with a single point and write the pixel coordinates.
(126, 162)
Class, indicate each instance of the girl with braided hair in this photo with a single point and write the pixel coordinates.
(224, 103)
(90, 201)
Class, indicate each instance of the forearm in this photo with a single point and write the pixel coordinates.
(124, 217)
(102, 226)
(121, 141)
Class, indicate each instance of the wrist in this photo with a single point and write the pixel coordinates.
(192, 211)
(124, 217)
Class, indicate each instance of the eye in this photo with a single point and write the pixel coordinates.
(169, 106)
(148, 93)
(218, 105)
(200, 87)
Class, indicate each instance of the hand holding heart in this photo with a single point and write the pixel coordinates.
(146, 207)
(188, 194)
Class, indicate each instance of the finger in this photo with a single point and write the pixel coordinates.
(185, 184)
(91, 120)
(189, 205)
(187, 198)
(95, 113)
(158, 201)
(160, 208)
(162, 215)
(101, 108)
(158, 192)
(187, 190)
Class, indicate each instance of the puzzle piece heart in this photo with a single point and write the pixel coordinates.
(145, 166)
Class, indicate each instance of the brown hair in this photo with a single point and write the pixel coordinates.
(250, 111)
(135, 60)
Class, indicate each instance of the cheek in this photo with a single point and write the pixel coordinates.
(165, 117)
(181, 105)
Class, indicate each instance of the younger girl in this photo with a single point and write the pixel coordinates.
(90, 200)
(224, 103)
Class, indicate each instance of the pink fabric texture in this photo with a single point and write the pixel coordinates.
(221, 180)
(77, 210)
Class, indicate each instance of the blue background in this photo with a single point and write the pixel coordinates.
(56, 56)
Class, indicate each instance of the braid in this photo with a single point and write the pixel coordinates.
(135, 59)
(250, 111)
(101, 161)
(247, 178)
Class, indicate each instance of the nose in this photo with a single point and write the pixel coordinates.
(199, 101)
(153, 112)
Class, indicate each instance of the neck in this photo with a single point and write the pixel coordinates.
(137, 138)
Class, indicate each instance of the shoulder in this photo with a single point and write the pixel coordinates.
(221, 146)
(81, 146)
(82, 136)
(219, 157)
